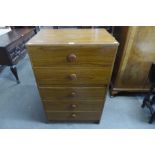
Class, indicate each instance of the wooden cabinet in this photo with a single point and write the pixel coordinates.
(134, 57)
(73, 68)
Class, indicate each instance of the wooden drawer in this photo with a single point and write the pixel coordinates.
(72, 93)
(76, 105)
(49, 56)
(74, 116)
(72, 76)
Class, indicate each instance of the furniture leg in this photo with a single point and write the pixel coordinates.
(153, 100)
(14, 72)
(112, 92)
(152, 118)
(146, 99)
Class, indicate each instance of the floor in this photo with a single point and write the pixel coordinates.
(21, 106)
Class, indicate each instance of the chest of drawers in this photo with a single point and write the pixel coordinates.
(73, 68)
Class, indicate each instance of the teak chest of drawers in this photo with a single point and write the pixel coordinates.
(73, 68)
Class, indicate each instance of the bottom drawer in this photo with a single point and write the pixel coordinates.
(67, 105)
(74, 116)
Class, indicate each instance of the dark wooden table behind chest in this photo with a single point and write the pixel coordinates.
(12, 48)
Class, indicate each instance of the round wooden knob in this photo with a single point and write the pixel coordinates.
(73, 77)
(73, 94)
(71, 58)
(73, 105)
(73, 115)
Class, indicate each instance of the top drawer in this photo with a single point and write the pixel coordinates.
(49, 56)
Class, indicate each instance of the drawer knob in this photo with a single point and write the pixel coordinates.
(73, 77)
(73, 105)
(73, 115)
(71, 58)
(73, 94)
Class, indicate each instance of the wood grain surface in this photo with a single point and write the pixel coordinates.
(73, 116)
(72, 93)
(73, 68)
(135, 58)
(73, 105)
(71, 37)
(86, 56)
(62, 76)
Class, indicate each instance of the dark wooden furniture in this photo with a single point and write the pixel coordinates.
(73, 68)
(12, 48)
(108, 28)
(134, 58)
(25, 28)
(26, 33)
(149, 99)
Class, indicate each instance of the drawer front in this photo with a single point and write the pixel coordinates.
(16, 44)
(76, 105)
(72, 93)
(49, 56)
(17, 51)
(73, 116)
(72, 76)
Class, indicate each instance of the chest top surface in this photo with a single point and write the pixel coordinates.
(72, 37)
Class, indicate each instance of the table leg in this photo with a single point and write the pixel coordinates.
(14, 71)
(152, 118)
